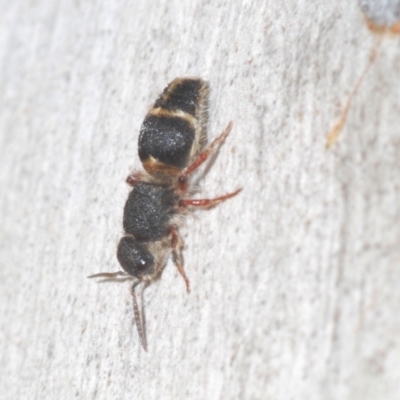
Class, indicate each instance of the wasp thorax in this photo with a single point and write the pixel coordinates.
(148, 211)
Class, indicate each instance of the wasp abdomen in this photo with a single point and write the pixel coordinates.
(183, 95)
(166, 140)
(174, 129)
(148, 211)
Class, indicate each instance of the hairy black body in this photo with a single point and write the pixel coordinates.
(148, 211)
(171, 147)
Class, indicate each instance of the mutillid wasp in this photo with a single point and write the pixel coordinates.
(172, 145)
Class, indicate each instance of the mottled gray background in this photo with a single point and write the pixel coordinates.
(295, 283)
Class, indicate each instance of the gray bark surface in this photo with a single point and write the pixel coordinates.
(295, 282)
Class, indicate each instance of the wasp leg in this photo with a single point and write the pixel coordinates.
(135, 178)
(202, 157)
(177, 245)
(207, 202)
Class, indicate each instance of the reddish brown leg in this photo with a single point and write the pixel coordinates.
(177, 245)
(206, 202)
(202, 157)
(135, 178)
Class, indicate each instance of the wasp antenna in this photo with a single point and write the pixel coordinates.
(138, 319)
(108, 274)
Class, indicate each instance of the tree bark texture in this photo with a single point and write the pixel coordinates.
(295, 282)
